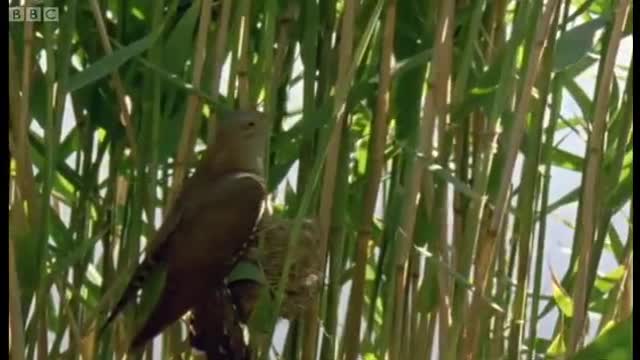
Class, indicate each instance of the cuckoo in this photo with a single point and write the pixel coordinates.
(208, 227)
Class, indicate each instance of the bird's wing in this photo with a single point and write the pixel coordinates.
(197, 195)
(214, 230)
(154, 261)
(155, 258)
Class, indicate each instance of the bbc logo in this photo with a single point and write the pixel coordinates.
(33, 13)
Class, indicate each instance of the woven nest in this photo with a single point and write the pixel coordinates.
(305, 274)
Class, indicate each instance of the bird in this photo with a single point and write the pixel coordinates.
(209, 226)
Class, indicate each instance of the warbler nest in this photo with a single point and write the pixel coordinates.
(305, 274)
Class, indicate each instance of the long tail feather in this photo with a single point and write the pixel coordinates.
(137, 282)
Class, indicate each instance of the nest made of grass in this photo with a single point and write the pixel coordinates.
(305, 273)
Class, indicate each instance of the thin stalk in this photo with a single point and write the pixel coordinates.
(554, 113)
(52, 131)
(433, 109)
(116, 81)
(280, 65)
(266, 79)
(338, 237)
(81, 208)
(617, 306)
(244, 61)
(556, 103)
(329, 176)
(463, 69)
(484, 141)
(16, 343)
(192, 116)
(611, 176)
(308, 54)
(528, 190)
(152, 117)
(591, 175)
(234, 39)
(626, 297)
(496, 333)
(217, 60)
(19, 91)
(442, 88)
(375, 164)
(487, 250)
(336, 108)
(461, 127)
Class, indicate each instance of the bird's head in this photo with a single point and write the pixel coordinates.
(239, 143)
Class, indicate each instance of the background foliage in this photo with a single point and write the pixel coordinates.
(422, 135)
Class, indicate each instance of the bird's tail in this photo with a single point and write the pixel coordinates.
(124, 300)
(136, 283)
